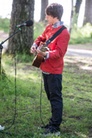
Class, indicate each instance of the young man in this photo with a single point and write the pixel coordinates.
(52, 67)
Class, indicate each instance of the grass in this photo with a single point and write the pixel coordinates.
(77, 96)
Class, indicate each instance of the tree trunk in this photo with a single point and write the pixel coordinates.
(77, 10)
(71, 17)
(88, 12)
(44, 4)
(77, 6)
(22, 10)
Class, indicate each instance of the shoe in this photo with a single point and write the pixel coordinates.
(52, 131)
(46, 126)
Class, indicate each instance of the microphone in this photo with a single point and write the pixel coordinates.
(26, 23)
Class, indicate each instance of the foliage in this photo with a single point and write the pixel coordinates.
(24, 58)
(81, 35)
(77, 98)
(38, 29)
(4, 24)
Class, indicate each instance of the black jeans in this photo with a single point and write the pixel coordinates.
(53, 88)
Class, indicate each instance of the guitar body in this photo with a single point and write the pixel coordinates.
(37, 60)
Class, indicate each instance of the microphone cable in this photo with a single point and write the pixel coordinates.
(15, 100)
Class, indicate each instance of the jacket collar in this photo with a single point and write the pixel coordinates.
(57, 24)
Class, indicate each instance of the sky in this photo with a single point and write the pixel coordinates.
(6, 7)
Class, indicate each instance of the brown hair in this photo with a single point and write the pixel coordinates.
(55, 10)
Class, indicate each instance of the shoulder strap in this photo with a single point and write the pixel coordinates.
(55, 35)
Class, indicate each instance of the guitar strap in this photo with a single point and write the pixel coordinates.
(55, 35)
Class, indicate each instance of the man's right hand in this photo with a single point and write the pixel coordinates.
(33, 48)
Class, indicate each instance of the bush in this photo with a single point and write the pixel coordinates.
(81, 35)
(38, 29)
(4, 24)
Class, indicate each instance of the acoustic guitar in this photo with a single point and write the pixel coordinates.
(38, 59)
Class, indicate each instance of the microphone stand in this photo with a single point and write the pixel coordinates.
(1, 47)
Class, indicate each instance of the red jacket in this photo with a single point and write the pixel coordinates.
(58, 47)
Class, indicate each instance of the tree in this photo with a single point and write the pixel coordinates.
(22, 10)
(77, 9)
(88, 12)
(44, 4)
(74, 13)
(77, 6)
(71, 17)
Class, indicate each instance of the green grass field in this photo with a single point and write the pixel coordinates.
(23, 92)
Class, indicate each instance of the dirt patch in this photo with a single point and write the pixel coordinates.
(79, 64)
(87, 46)
(3, 35)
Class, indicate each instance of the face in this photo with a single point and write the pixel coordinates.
(50, 19)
